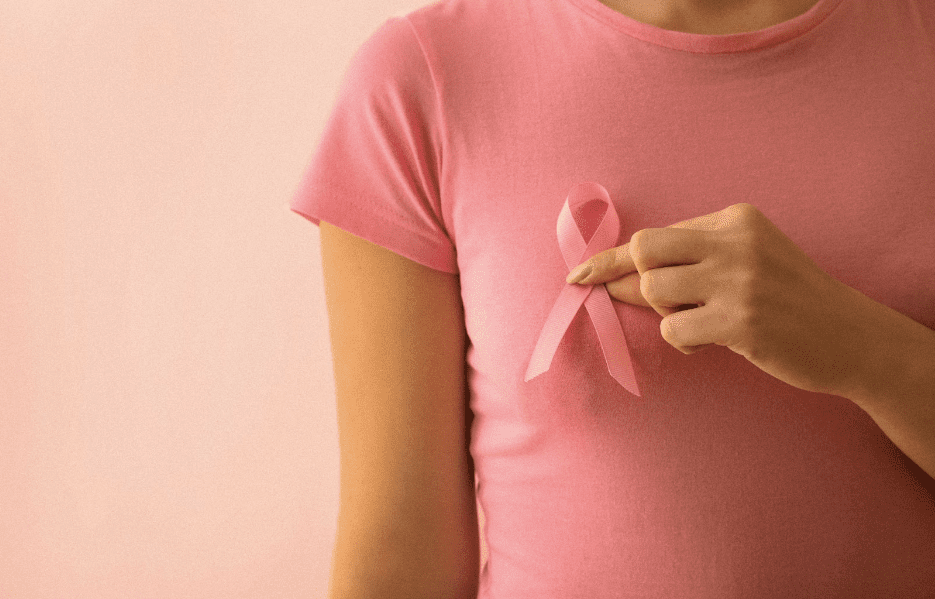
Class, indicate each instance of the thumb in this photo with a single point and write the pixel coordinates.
(627, 289)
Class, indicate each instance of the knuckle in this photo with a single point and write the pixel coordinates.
(645, 290)
(636, 242)
(744, 210)
(646, 286)
(754, 223)
(597, 262)
(745, 217)
(635, 247)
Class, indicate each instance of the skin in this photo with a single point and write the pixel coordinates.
(711, 17)
(732, 278)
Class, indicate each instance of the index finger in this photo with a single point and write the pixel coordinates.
(608, 265)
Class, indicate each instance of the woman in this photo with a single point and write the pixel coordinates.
(757, 177)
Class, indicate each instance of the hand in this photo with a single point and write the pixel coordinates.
(732, 278)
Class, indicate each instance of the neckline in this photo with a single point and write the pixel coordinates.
(710, 44)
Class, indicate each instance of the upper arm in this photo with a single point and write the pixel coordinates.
(407, 524)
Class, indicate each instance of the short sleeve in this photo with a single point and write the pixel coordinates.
(375, 172)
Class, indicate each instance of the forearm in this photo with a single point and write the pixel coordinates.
(896, 385)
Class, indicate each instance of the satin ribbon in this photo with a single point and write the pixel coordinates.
(594, 297)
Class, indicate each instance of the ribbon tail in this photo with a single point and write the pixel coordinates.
(563, 312)
(613, 341)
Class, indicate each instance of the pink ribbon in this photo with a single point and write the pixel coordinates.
(594, 297)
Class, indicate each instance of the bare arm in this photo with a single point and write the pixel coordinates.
(407, 525)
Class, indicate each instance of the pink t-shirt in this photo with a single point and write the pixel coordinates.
(457, 135)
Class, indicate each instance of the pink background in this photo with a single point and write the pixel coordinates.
(167, 421)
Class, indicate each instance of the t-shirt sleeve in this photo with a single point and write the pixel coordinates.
(375, 172)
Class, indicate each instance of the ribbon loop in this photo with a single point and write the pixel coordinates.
(595, 298)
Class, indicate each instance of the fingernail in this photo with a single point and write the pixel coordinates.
(579, 272)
